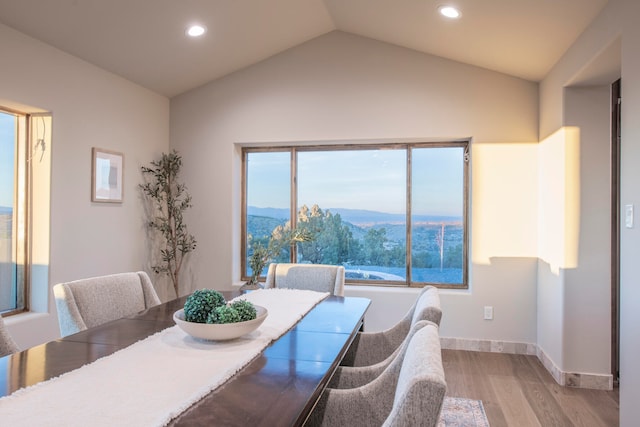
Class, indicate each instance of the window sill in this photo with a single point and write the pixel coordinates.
(25, 317)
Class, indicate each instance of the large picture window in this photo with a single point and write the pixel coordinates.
(13, 214)
(393, 214)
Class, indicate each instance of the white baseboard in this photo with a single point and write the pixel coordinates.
(488, 346)
(575, 379)
(568, 379)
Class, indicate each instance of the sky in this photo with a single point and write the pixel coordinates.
(361, 179)
(7, 147)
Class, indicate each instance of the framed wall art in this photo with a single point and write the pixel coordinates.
(107, 174)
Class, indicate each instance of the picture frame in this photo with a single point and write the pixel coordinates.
(107, 176)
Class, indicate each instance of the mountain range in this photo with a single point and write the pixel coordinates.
(358, 216)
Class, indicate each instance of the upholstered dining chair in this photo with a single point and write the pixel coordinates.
(369, 348)
(357, 376)
(315, 277)
(410, 393)
(91, 302)
(7, 344)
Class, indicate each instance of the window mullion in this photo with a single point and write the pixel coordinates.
(408, 213)
(293, 251)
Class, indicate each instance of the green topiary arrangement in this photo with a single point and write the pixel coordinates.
(245, 309)
(224, 314)
(200, 303)
(209, 306)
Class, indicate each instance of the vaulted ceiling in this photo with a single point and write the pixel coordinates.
(144, 40)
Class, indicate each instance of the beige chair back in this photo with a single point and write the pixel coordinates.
(421, 384)
(315, 277)
(409, 392)
(427, 306)
(370, 348)
(91, 302)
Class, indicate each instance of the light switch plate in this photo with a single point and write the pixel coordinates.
(628, 216)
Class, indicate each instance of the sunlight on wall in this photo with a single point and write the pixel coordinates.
(41, 187)
(41, 208)
(504, 202)
(559, 199)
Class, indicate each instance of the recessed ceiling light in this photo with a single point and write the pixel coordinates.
(196, 30)
(449, 12)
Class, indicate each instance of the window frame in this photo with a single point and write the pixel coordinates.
(408, 146)
(21, 233)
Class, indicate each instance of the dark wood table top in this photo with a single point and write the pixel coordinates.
(278, 388)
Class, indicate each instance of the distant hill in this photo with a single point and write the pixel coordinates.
(268, 212)
(4, 210)
(260, 226)
(356, 216)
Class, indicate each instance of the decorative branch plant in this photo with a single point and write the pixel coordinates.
(281, 237)
(169, 199)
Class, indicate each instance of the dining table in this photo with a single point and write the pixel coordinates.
(279, 387)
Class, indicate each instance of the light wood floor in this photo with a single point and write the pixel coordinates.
(516, 390)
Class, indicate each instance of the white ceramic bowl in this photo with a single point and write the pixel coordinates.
(220, 332)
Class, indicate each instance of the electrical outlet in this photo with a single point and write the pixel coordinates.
(488, 312)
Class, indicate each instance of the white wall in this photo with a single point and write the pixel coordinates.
(91, 108)
(574, 274)
(630, 238)
(618, 18)
(341, 87)
(588, 285)
(554, 260)
(601, 33)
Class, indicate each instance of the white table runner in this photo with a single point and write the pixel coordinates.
(152, 381)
